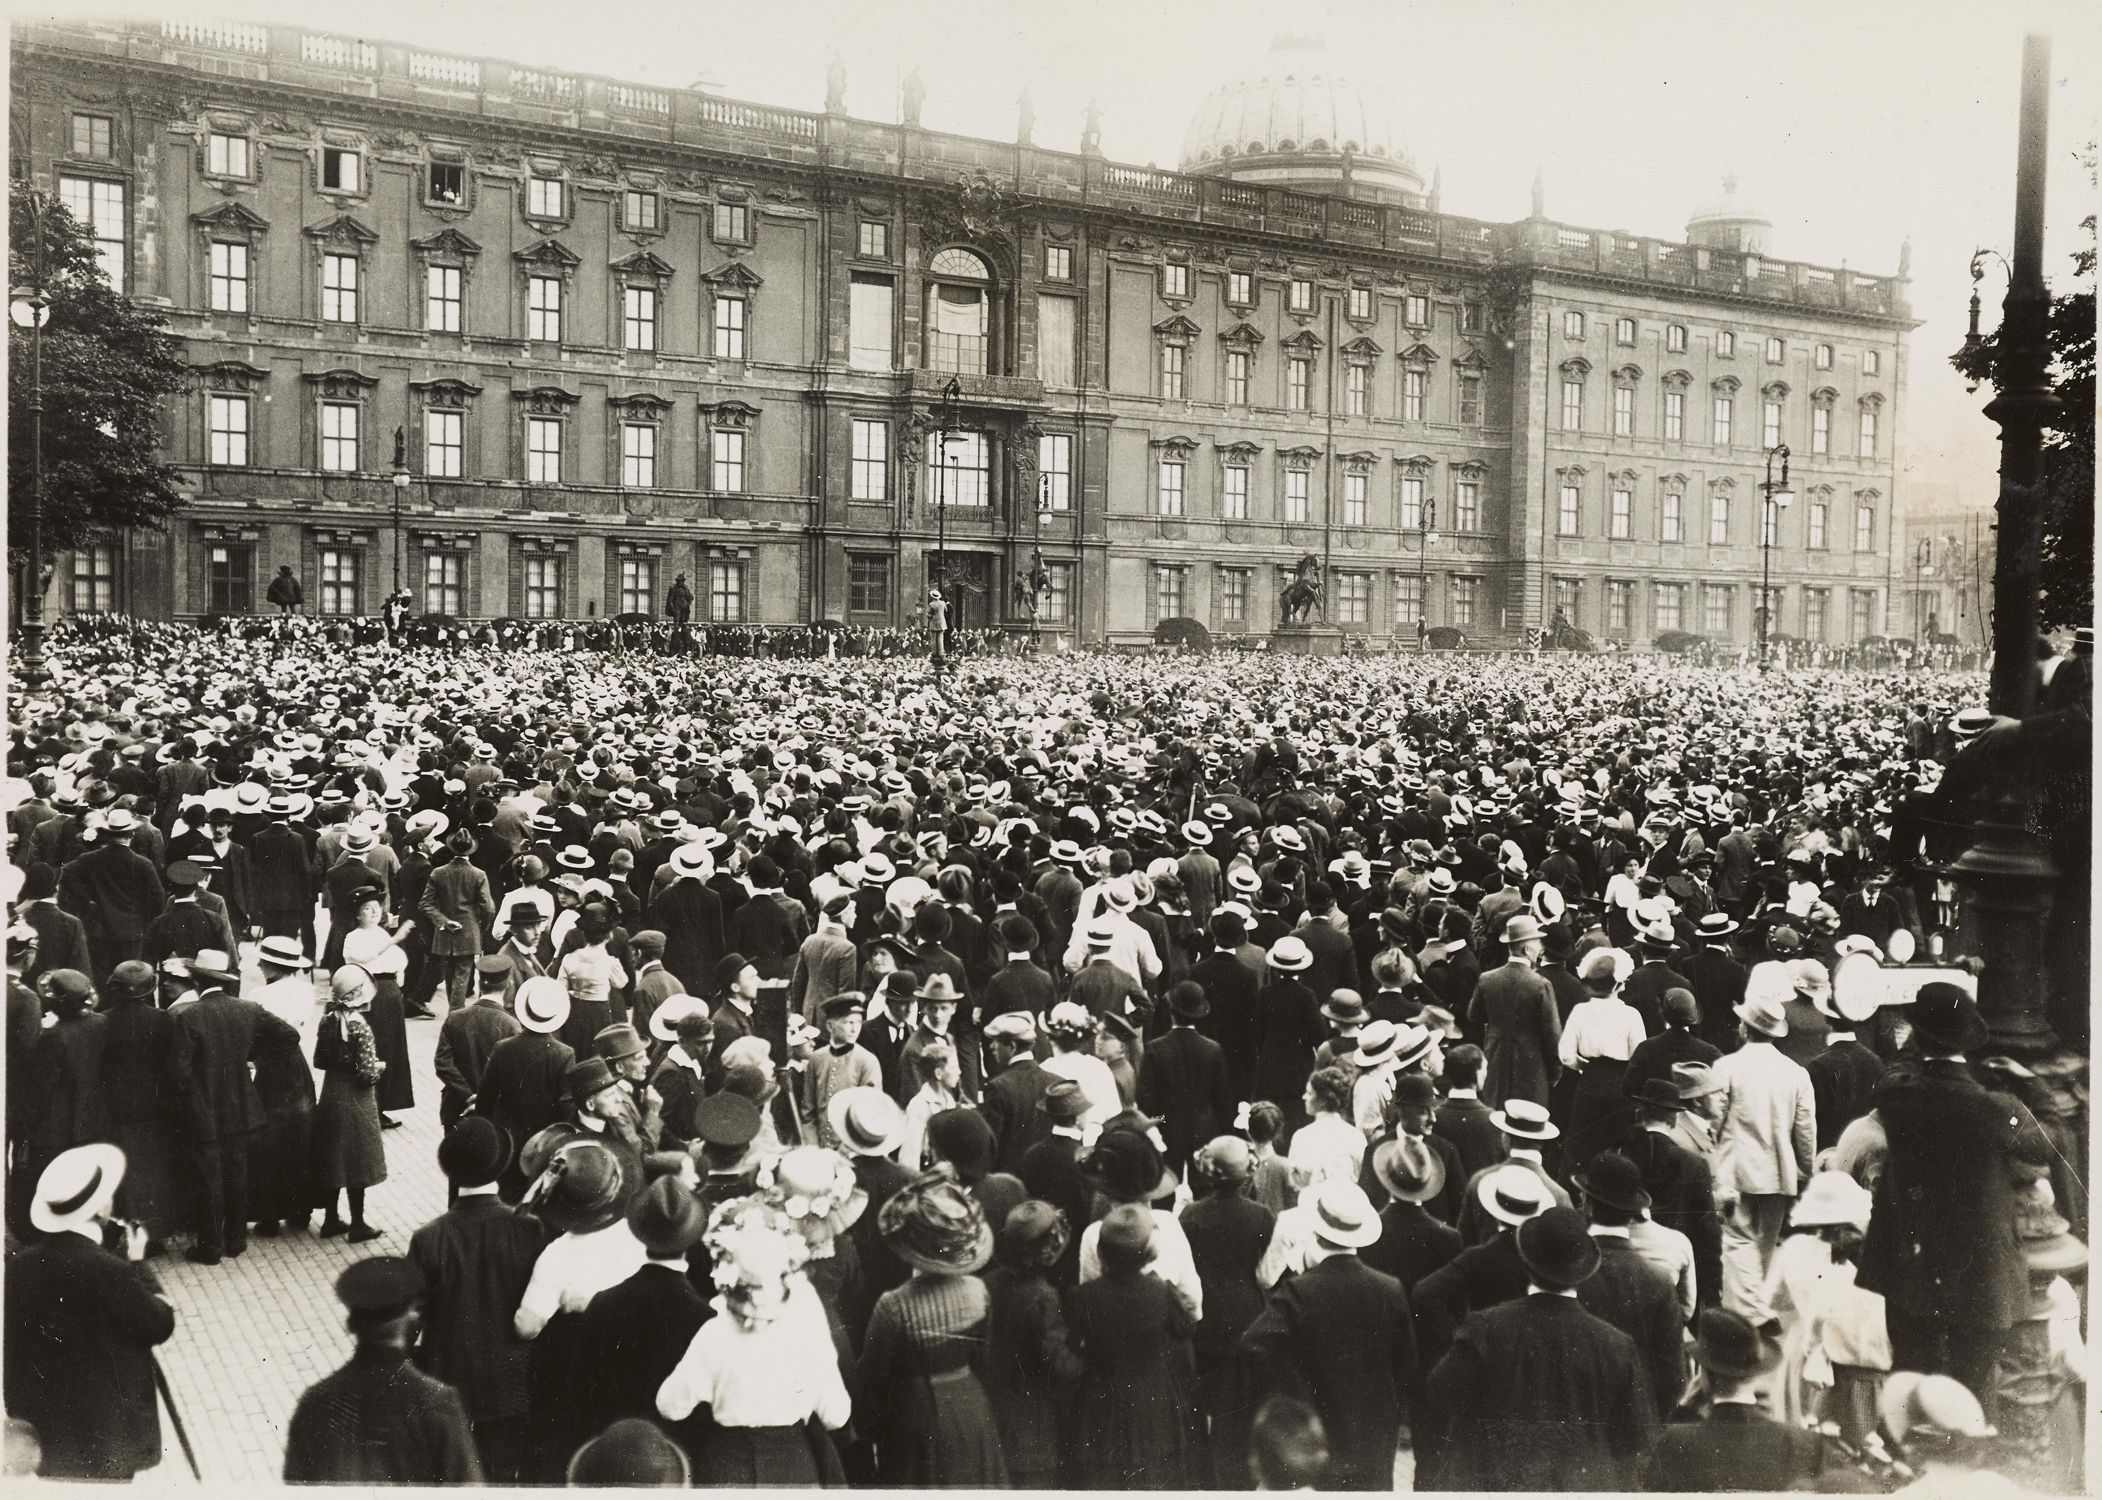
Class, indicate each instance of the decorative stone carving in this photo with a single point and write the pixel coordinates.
(340, 384)
(446, 393)
(546, 400)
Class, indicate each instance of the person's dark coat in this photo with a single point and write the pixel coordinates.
(1228, 1234)
(466, 1039)
(1051, 1172)
(225, 1034)
(114, 891)
(769, 930)
(881, 1178)
(145, 1094)
(1717, 981)
(185, 929)
(1466, 1123)
(476, 1259)
(679, 1089)
(1339, 1334)
(521, 1090)
(62, 942)
(1538, 1395)
(1019, 986)
(1515, 1009)
(1009, 1107)
(1335, 958)
(634, 1335)
(456, 892)
(1134, 1417)
(380, 1420)
(1231, 991)
(1736, 1447)
(1411, 1244)
(1640, 1300)
(1288, 1027)
(1480, 1276)
(1645, 991)
(81, 1328)
(1843, 1081)
(1681, 1187)
(1654, 1057)
(1029, 1373)
(25, 1018)
(1183, 1083)
(67, 1085)
(691, 918)
(281, 872)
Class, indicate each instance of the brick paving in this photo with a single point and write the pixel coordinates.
(252, 1333)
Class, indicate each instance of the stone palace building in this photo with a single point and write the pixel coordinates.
(630, 333)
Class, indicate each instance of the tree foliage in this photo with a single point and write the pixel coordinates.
(108, 369)
(2068, 572)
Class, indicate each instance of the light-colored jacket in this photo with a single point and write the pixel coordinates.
(1767, 1136)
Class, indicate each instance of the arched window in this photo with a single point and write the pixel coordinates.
(959, 312)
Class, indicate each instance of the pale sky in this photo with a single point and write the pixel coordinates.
(1850, 125)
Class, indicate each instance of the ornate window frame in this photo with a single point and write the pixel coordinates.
(734, 415)
(230, 377)
(448, 249)
(737, 197)
(340, 386)
(547, 169)
(638, 409)
(651, 184)
(553, 259)
(1301, 458)
(1176, 332)
(445, 154)
(731, 279)
(237, 126)
(1570, 476)
(230, 223)
(543, 403)
(341, 140)
(344, 234)
(444, 393)
(645, 271)
(427, 543)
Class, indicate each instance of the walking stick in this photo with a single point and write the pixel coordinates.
(182, 1434)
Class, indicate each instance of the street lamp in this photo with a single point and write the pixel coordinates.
(1776, 496)
(944, 419)
(1426, 518)
(401, 495)
(1923, 560)
(30, 307)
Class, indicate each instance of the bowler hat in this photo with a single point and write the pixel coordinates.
(1728, 1344)
(1613, 1180)
(474, 1152)
(1945, 1017)
(728, 967)
(1660, 1093)
(1557, 1248)
(1126, 1167)
(1189, 1001)
(667, 1218)
(632, 1453)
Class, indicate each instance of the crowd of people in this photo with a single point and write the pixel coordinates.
(1084, 1072)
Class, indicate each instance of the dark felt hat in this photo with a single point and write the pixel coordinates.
(1728, 1344)
(1611, 1179)
(474, 1152)
(667, 1218)
(588, 1076)
(1946, 1017)
(726, 1119)
(1125, 1166)
(1557, 1248)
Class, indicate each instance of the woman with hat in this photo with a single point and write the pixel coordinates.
(764, 1366)
(349, 1155)
(1598, 1038)
(938, 1077)
(1228, 1231)
(1073, 1029)
(934, 1425)
(1837, 1350)
(596, 978)
(1135, 1426)
(1030, 1369)
(371, 947)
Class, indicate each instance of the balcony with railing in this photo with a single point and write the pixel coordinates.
(956, 353)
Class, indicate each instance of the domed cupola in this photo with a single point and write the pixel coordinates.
(1730, 223)
(1297, 120)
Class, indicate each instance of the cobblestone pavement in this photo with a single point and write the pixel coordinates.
(252, 1333)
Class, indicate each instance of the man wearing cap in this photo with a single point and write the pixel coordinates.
(1183, 1081)
(842, 1063)
(224, 1035)
(1341, 1332)
(476, 1259)
(654, 985)
(116, 893)
(469, 1035)
(1536, 1394)
(678, 1079)
(379, 1419)
(145, 1090)
(1765, 1142)
(183, 927)
(1628, 1291)
(1014, 1086)
(1736, 1446)
(1654, 1056)
(826, 963)
(81, 1327)
(1051, 1170)
(457, 903)
(1681, 1188)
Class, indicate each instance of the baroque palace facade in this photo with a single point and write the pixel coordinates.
(628, 333)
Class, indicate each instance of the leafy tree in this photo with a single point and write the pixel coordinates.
(109, 367)
(2068, 572)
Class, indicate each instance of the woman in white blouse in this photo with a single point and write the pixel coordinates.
(940, 1075)
(1599, 1037)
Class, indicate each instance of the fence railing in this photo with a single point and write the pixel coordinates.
(224, 36)
(339, 52)
(435, 67)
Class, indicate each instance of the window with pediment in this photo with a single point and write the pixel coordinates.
(230, 238)
(341, 435)
(231, 391)
(729, 436)
(1173, 339)
(545, 273)
(639, 421)
(641, 281)
(542, 436)
(338, 250)
(444, 263)
(733, 291)
(442, 408)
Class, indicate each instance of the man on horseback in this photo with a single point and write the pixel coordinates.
(1304, 592)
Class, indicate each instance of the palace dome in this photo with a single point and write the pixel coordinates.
(1730, 223)
(1291, 120)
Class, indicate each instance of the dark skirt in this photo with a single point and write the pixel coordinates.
(798, 1457)
(155, 1189)
(390, 1039)
(281, 1154)
(348, 1151)
(1227, 1396)
(1599, 1113)
(938, 1433)
(1136, 1433)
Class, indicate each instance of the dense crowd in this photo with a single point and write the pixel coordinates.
(1232, 1071)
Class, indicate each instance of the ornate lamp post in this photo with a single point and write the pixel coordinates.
(401, 495)
(1775, 497)
(30, 307)
(1923, 561)
(1425, 540)
(938, 575)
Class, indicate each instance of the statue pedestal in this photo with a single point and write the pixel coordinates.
(1306, 638)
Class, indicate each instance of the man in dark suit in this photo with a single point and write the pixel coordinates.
(476, 1259)
(691, 918)
(1681, 1185)
(1653, 976)
(184, 926)
(1013, 1090)
(457, 903)
(1627, 1291)
(1051, 1172)
(1411, 1243)
(62, 942)
(1019, 986)
(1844, 1076)
(224, 1035)
(1230, 990)
(769, 929)
(1463, 1119)
(1183, 1080)
(468, 1035)
(283, 880)
(636, 1332)
(521, 1085)
(1481, 1275)
(1678, 1042)
(1736, 1446)
(1340, 1332)
(116, 893)
(81, 1327)
(1536, 1394)
(870, 1126)
(1717, 980)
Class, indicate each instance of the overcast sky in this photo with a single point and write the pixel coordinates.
(1851, 125)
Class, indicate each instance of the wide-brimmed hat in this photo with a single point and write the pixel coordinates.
(1290, 955)
(1613, 1180)
(1715, 926)
(542, 1003)
(1523, 927)
(76, 1188)
(1945, 1016)
(1224, 1160)
(580, 1188)
(1378, 1042)
(1198, 833)
(1125, 1166)
(815, 1187)
(665, 1019)
(1727, 1343)
(938, 988)
(1512, 1194)
(1033, 1236)
(212, 966)
(1064, 1100)
(1695, 1080)
(867, 1121)
(934, 1224)
(1409, 1170)
(617, 1041)
(1345, 1008)
(1910, 1400)
(1524, 1120)
(1764, 1015)
(285, 952)
(1831, 1198)
(474, 1152)
(1341, 1215)
(1557, 1248)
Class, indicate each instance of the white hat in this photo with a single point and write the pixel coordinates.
(76, 1188)
(1524, 1120)
(543, 1004)
(1512, 1194)
(1290, 955)
(1342, 1215)
(665, 1019)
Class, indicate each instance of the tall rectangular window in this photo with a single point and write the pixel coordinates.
(1770, 424)
(1871, 362)
(443, 591)
(1233, 493)
(544, 309)
(1769, 523)
(339, 289)
(226, 421)
(1233, 595)
(1354, 499)
(1237, 377)
(441, 299)
(1058, 262)
(729, 327)
(339, 437)
(1300, 390)
(1568, 593)
(544, 197)
(91, 135)
(870, 476)
(1721, 436)
(1868, 434)
(1718, 520)
(638, 318)
(227, 155)
(441, 444)
(638, 585)
(1357, 389)
(1175, 280)
(869, 318)
(638, 455)
(1408, 598)
(1054, 463)
(1353, 598)
(733, 223)
(1675, 338)
(1240, 288)
(1168, 591)
(1467, 506)
(1623, 520)
(1620, 604)
(94, 578)
(1568, 511)
(543, 450)
(1623, 411)
(1572, 325)
(1824, 356)
(229, 278)
(1173, 362)
(1171, 477)
(1863, 604)
(1820, 429)
(1471, 317)
(1058, 600)
(339, 582)
(1726, 344)
(1864, 528)
(1470, 400)
(726, 592)
(726, 461)
(868, 583)
(1412, 395)
(1464, 592)
(1670, 521)
(1775, 351)
(232, 570)
(1623, 331)
(1816, 539)
(639, 210)
(1360, 303)
(1572, 406)
(1295, 495)
(1817, 605)
(1411, 503)
(1057, 340)
(964, 474)
(1715, 610)
(1300, 296)
(543, 588)
(1670, 614)
(1674, 415)
(98, 207)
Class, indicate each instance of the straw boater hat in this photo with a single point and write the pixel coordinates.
(78, 1187)
(543, 1004)
(1511, 1194)
(1523, 1120)
(867, 1121)
(1341, 1215)
(1289, 955)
